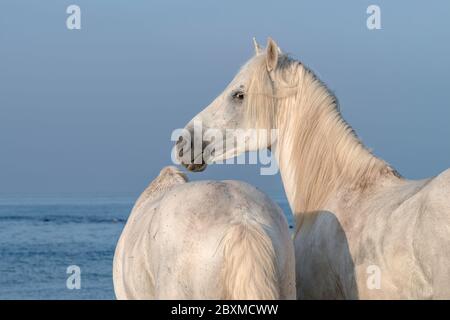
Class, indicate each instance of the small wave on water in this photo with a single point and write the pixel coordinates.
(63, 219)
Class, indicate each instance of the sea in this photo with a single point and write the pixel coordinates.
(46, 241)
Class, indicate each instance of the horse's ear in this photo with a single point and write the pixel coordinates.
(257, 46)
(271, 54)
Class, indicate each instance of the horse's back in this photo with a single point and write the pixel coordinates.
(219, 201)
(190, 227)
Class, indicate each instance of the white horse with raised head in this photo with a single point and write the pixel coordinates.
(204, 240)
(363, 231)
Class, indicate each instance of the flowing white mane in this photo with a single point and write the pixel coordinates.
(311, 130)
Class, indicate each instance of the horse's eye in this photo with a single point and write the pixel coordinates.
(238, 95)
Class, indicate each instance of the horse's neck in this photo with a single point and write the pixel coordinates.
(319, 155)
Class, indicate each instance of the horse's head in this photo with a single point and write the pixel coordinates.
(223, 130)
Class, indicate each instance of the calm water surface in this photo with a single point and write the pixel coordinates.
(41, 236)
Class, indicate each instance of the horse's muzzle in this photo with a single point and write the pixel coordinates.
(189, 157)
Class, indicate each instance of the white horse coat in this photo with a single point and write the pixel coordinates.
(363, 231)
(204, 240)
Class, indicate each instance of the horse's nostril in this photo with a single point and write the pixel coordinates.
(179, 144)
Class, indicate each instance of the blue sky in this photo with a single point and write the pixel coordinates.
(92, 110)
